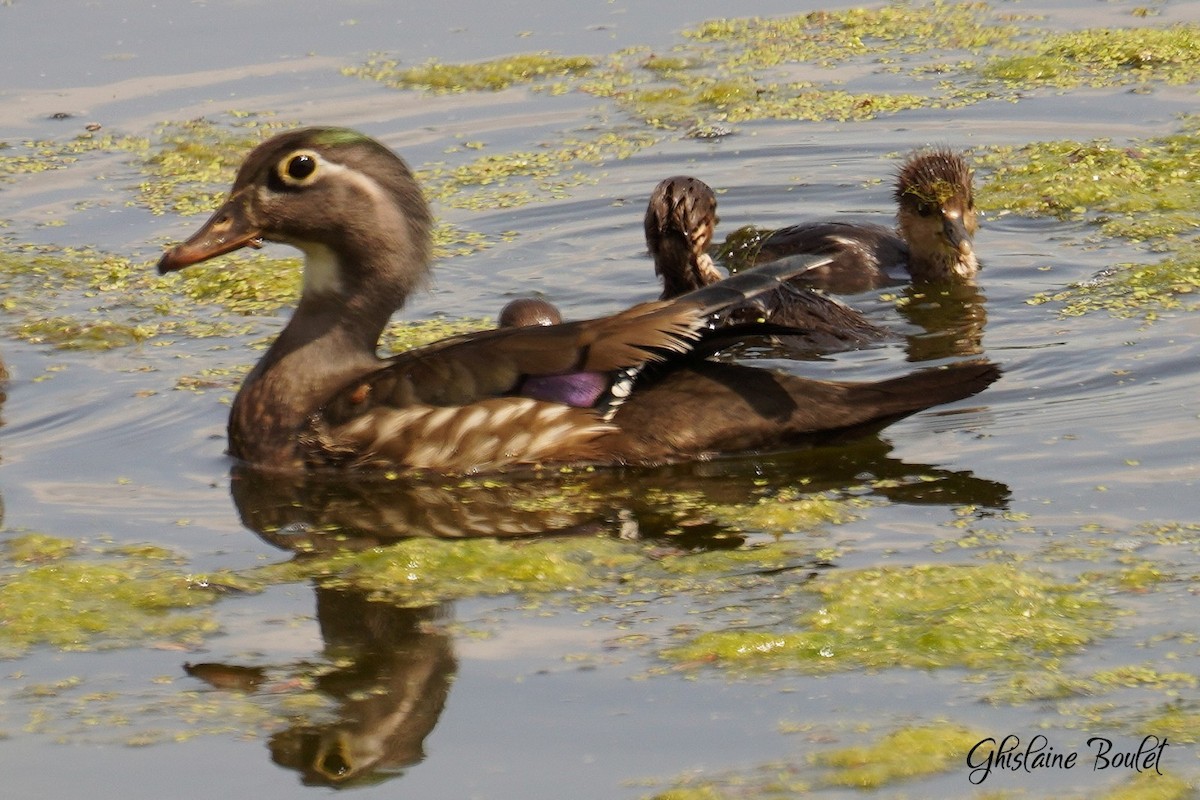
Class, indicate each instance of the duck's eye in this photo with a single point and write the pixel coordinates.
(298, 168)
(925, 209)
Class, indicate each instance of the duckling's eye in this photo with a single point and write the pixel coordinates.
(298, 168)
(925, 209)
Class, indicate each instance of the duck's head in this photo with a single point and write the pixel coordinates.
(350, 204)
(527, 311)
(937, 216)
(680, 220)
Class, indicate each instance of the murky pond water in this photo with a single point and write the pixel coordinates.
(1019, 563)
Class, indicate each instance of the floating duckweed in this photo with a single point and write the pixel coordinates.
(908, 753)
(494, 75)
(925, 617)
(1105, 57)
(1144, 192)
(789, 512)
(401, 336)
(33, 548)
(1143, 675)
(904, 754)
(1177, 723)
(192, 163)
(66, 333)
(1131, 289)
(1151, 785)
(56, 596)
(512, 179)
(827, 36)
(419, 572)
(33, 157)
(244, 284)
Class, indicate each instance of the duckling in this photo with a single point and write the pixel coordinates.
(932, 243)
(528, 311)
(680, 221)
(623, 389)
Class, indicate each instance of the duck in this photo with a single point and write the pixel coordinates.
(528, 311)
(680, 222)
(630, 388)
(932, 243)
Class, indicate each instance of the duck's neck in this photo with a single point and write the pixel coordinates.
(681, 268)
(942, 264)
(330, 340)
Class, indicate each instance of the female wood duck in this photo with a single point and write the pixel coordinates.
(624, 389)
(681, 218)
(932, 242)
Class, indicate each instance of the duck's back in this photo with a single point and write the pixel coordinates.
(748, 409)
(864, 255)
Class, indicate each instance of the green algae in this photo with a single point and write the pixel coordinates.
(35, 548)
(1131, 290)
(925, 617)
(58, 593)
(904, 754)
(66, 333)
(420, 572)
(1178, 723)
(243, 284)
(739, 70)
(1144, 192)
(1153, 786)
(1101, 57)
(494, 75)
(1049, 686)
(1119, 186)
(405, 335)
(506, 180)
(31, 157)
(191, 164)
(789, 512)
(1143, 675)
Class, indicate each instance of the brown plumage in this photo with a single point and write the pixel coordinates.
(580, 392)
(933, 241)
(681, 218)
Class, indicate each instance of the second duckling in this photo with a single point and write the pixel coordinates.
(933, 241)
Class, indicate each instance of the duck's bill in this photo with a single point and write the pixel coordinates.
(225, 231)
(957, 234)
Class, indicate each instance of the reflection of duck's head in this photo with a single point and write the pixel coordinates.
(394, 668)
(527, 311)
(937, 216)
(680, 220)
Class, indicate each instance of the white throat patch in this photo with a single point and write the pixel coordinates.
(322, 271)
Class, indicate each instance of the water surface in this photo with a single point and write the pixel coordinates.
(1073, 463)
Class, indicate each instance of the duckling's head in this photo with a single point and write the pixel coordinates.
(680, 220)
(526, 311)
(350, 204)
(937, 216)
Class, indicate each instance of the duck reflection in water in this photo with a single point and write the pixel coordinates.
(308, 514)
(395, 667)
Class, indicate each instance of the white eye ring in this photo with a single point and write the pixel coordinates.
(299, 168)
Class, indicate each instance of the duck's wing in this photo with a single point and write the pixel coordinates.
(521, 395)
